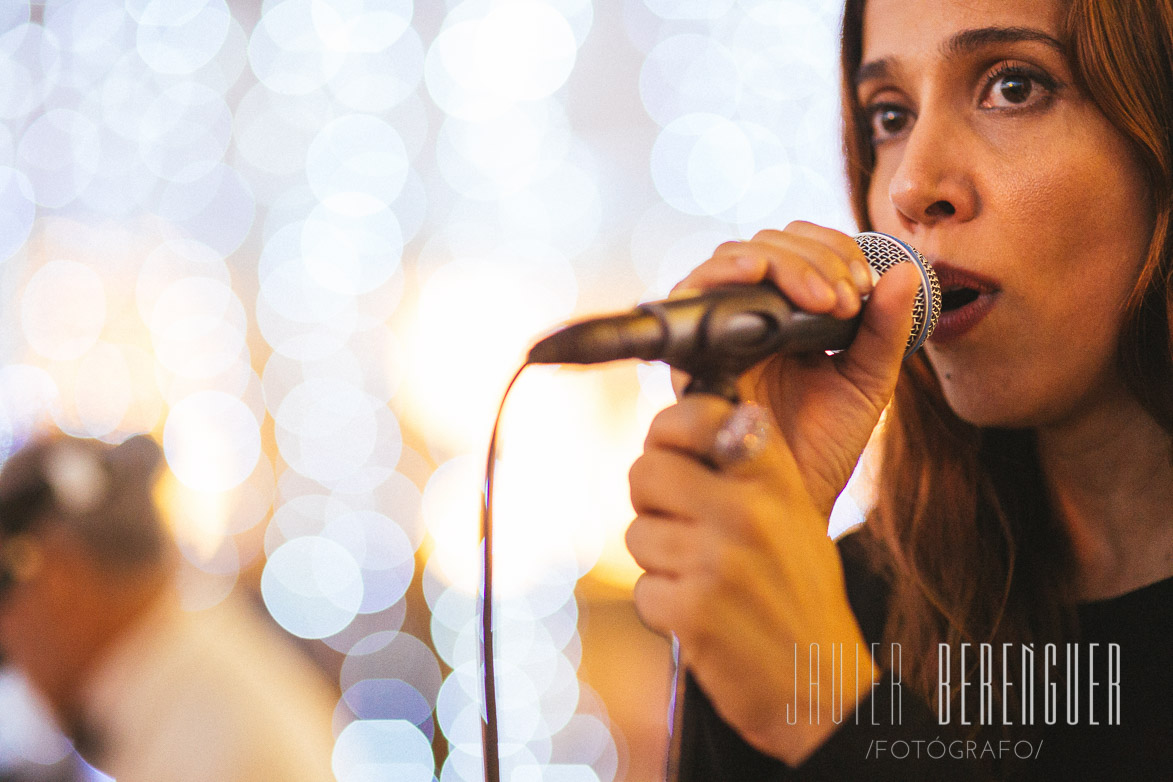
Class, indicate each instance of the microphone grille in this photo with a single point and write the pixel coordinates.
(883, 252)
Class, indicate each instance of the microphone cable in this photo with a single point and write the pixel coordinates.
(490, 732)
(490, 736)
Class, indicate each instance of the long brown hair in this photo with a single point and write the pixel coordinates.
(962, 524)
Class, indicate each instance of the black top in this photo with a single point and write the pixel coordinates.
(1139, 747)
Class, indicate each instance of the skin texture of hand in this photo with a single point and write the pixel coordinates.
(737, 559)
(825, 407)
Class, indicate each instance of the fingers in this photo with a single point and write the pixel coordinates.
(676, 476)
(657, 602)
(838, 258)
(819, 269)
(685, 600)
(712, 441)
(690, 426)
(662, 546)
(677, 480)
(872, 362)
(659, 468)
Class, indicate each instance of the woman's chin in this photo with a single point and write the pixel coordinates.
(998, 406)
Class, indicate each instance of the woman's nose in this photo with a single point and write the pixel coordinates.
(934, 181)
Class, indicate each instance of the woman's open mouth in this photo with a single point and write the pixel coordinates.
(956, 298)
(965, 300)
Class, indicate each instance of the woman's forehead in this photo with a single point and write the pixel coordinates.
(893, 28)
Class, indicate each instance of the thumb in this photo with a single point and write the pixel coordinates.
(872, 363)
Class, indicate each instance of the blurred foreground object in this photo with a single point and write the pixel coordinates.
(90, 614)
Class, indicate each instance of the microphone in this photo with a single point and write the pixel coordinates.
(718, 334)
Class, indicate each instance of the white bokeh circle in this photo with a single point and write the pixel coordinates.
(312, 587)
(63, 309)
(373, 750)
(212, 441)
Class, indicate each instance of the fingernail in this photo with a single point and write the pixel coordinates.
(848, 296)
(819, 290)
(862, 274)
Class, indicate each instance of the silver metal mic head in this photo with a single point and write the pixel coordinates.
(883, 252)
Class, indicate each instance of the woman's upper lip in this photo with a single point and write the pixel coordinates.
(950, 277)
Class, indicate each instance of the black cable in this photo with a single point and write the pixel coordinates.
(489, 737)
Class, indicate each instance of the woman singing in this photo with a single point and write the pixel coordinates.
(1007, 610)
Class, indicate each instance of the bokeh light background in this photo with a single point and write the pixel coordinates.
(305, 243)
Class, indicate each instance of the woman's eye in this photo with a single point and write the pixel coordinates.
(1010, 88)
(1014, 89)
(888, 121)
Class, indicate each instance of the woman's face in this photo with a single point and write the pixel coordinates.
(1031, 206)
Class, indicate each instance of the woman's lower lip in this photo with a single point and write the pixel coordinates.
(955, 323)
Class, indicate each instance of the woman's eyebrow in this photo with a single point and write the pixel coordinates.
(961, 43)
(875, 69)
(967, 41)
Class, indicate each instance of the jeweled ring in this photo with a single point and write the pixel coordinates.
(741, 437)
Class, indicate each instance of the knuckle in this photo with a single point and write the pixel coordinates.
(851, 251)
(633, 538)
(830, 257)
(639, 594)
(630, 536)
(641, 598)
(637, 472)
(661, 425)
(673, 427)
(644, 490)
(835, 242)
(653, 610)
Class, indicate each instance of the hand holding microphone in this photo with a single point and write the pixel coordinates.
(717, 334)
(726, 318)
(738, 563)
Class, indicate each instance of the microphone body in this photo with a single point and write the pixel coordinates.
(714, 326)
(718, 334)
